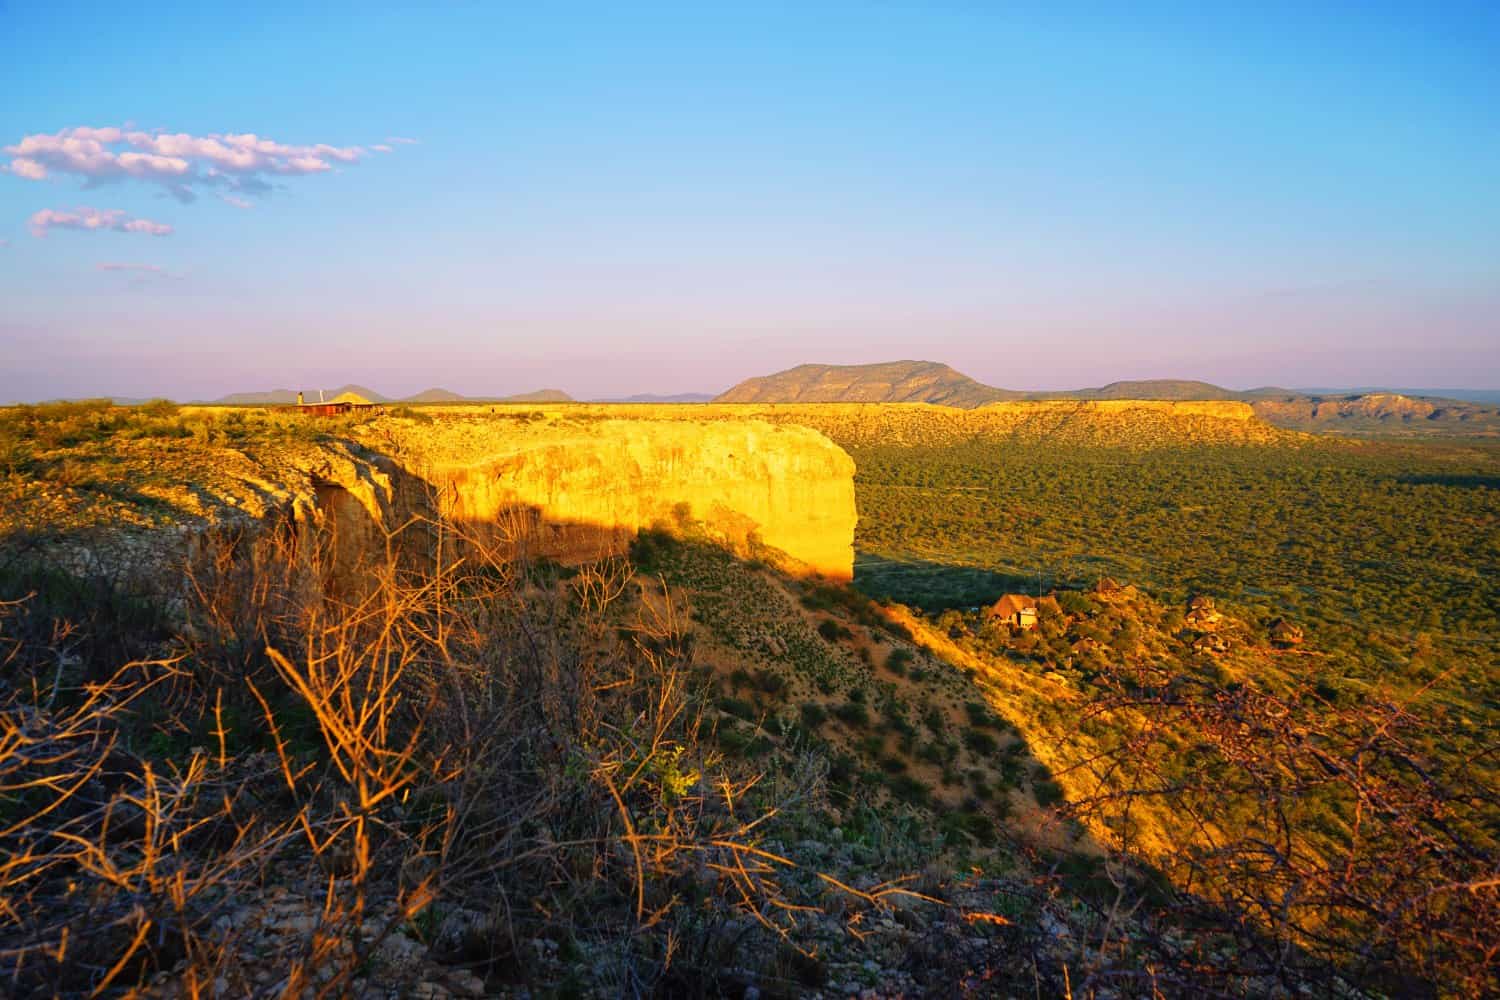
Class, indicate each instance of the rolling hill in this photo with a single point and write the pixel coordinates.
(650, 397)
(890, 382)
(1157, 388)
(288, 397)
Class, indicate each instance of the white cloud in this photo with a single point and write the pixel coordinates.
(93, 220)
(241, 162)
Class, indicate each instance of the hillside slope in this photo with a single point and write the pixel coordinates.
(1155, 388)
(891, 382)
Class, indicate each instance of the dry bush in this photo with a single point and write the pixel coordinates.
(498, 761)
(1326, 842)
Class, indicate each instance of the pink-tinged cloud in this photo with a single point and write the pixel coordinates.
(400, 140)
(139, 271)
(29, 169)
(381, 147)
(94, 220)
(241, 162)
(146, 268)
(236, 201)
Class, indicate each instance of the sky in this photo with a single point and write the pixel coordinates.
(611, 199)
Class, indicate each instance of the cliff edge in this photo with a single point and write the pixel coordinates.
(575, 490)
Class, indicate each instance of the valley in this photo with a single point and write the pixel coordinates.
(614, 656)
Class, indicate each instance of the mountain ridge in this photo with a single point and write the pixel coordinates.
(1289, 409)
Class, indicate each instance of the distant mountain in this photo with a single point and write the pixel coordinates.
(1158, 388)
(1352, 412)
(286, 397)
(891, 382)
(681, 397)
(434, 395)
(1486, 396)
(1378, 413)
(540, 396)
(276, 397)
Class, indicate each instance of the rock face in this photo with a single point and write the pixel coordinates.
(575, 490)
(1103, 423)
(569, 484)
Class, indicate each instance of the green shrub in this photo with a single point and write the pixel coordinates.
(852, 713)
(1047, 792)
(833, 631)
(769, 681)
(908, 789)
(980, 742)
(1076, 602)
(969, 824)
(898, 660)
(737, 707)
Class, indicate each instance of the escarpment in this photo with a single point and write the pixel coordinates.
(553, 485)
(576, 490)
(1122, 423)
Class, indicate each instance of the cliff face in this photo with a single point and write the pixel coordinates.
(1103, 423)
(576, 490)
(571, 486)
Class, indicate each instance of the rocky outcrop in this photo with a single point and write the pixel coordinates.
(571, 485)
(577, 489)
(1122, 423)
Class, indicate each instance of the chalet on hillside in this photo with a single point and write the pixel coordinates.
(1015, 610)
(344, 402)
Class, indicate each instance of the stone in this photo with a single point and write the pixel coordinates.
(465, 983)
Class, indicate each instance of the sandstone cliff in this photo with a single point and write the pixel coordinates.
(575, 489)
(1102, 423)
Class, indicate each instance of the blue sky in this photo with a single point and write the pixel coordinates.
(612, 199)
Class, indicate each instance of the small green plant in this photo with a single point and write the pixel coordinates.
(853, 713)
(737, 707)
(898, 660)
(833, 631)
(980, 742)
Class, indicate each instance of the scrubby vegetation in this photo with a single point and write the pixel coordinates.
(472, 775)
(1282, 780)
(684, 773)
(1389, 550)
